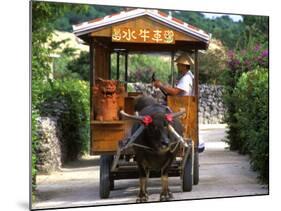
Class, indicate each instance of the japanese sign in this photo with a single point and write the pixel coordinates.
(143, 35)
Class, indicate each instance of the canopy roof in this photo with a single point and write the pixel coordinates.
(104, 27)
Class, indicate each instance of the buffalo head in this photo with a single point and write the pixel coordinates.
(159, 126)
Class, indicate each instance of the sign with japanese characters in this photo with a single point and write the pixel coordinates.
(143, 35)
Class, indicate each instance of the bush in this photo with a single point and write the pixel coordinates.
(238, 63)
(81, 66)
(251, 95)
(248, 59)
(68, 100)
(212, 63)
(34, 141)
(246, 100)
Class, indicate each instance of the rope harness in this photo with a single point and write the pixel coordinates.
(146, 120)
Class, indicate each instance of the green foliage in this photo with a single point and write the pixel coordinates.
(72, 17)
(43, 16)
(68, 100)
(81, 66)
(60, 65)
(251, 103)
(34, 141)
(212, 64)
(239, 62)
(222, 28)
(255, 30)
(141, 67)
(248, 59)
(246, 100)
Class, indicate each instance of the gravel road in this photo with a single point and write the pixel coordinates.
(223, 173)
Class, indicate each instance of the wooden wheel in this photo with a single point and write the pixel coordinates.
(187, 170)
(196, 168)
(106, 182)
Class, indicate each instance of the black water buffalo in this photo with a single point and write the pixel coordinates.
(156, 147)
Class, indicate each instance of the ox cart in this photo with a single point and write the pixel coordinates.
(140, 31)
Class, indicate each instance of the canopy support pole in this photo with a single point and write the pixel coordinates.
(126, 69)
(172, 68)
(117, 65)
(196, 84)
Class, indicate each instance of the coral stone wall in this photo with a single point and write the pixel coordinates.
(211, 108)
(49, 148)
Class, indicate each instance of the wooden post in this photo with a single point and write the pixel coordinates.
(109, 65)
(126, 69)
(172, 68)
(92, 62)
(117, 66)
(92, 77)
(101, 56)
(196, 80)
(92, 83)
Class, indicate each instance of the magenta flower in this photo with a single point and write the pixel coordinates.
(257, 47)
(265, 53)
(230, 54)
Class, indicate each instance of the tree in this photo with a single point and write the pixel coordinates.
(212, 63)
(81, 66)
(70, 18)
(255, 31)
(43, 16)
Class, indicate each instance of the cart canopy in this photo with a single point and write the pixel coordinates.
(143, 30)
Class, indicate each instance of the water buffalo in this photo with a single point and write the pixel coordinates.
(157, 145)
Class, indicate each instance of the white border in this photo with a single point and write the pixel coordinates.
(14, 180)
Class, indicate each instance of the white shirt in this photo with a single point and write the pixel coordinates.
(186, 84)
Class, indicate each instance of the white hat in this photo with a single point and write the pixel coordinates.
(184, 59)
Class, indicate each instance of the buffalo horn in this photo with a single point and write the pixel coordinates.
(178, 114)
(178, 137)
(129, 116)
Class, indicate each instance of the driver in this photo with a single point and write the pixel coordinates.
(184, 86)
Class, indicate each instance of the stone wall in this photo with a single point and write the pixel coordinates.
(211, 108)
(49, 148)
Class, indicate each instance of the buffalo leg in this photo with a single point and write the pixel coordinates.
(143, 194)
(165, 194)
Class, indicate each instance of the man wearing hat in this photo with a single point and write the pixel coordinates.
(184, 86)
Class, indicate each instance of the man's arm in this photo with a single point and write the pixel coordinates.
(168, 89)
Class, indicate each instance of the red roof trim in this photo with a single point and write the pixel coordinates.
(177, 20)
(193, 27)
(96, 20)
(165, 17)
(163, 14)
(114, 14)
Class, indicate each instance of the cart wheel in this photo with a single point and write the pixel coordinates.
(196, 168)
(187, 174)
(105, 180)
(111, 184)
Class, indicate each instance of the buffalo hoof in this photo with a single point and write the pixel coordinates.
(142, 198)
(166, 196)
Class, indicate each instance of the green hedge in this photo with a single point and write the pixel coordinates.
(34, 142)
(68, 101)
(251, 113)
(246, 99)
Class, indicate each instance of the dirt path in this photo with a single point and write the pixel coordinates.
(222, 173)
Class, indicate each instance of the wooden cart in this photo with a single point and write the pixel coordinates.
(145, 31)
